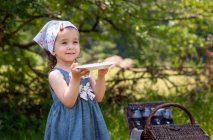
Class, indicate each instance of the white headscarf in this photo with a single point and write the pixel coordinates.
(47, 35)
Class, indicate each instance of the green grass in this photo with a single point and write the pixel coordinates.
(200, 105)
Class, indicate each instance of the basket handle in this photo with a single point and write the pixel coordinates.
(168, 105)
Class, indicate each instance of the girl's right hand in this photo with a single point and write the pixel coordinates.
(77, 73)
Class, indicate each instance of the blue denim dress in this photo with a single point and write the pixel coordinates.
(84, 121)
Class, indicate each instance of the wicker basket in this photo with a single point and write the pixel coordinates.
(190, 131)
(133, 106)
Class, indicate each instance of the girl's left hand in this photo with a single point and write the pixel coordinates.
(102, 72)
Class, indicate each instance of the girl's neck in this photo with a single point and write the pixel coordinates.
(65, 67)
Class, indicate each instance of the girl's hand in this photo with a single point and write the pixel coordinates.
(102, 72)
(77, 73)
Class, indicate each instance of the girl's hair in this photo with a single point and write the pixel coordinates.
(51, 59)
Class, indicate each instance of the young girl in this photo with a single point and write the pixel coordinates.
(74, 114)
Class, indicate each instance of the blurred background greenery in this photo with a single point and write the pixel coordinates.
(168, 42)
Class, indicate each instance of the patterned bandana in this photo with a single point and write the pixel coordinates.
(47, 35)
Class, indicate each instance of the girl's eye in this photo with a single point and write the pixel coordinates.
(75, 42)
(64, 43)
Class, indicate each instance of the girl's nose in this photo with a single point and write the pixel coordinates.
(69, 47)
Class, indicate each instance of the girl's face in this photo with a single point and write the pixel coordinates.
(67, 47)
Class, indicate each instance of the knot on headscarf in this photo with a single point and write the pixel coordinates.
(47, 35)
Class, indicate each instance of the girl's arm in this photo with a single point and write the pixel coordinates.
(99, 85)
(67, 94)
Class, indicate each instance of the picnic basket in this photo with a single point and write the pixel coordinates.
(129, 111)
(191, 131)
